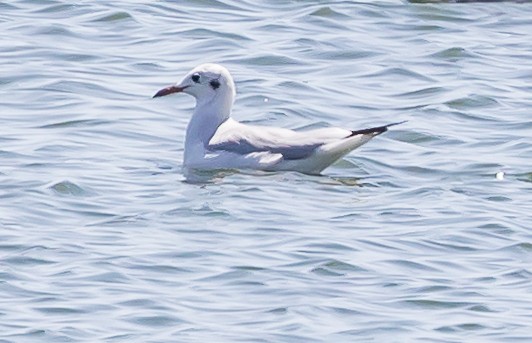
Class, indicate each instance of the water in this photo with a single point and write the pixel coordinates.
(410, 238)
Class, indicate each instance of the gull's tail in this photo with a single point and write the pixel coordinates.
(374, 130)
(326, 154)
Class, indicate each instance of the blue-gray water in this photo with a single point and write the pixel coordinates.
(410, 238)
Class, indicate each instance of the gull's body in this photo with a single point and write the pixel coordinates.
(216, 141)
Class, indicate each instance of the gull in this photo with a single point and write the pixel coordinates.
(214, 140)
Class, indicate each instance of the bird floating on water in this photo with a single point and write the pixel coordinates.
(216, 141)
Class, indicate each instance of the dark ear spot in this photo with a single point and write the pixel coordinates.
(215, 84)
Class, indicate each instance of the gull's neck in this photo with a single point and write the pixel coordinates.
(207, 117)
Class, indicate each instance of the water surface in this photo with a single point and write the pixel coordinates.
(410, 238)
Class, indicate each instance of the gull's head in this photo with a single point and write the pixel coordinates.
(206, 82)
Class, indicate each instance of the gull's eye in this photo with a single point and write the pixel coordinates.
(195, 77)
(215, 84)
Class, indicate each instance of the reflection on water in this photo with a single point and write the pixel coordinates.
(198, 176)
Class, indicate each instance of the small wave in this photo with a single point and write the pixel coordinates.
(68, 188)
(118, 16)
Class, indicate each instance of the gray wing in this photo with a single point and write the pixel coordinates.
(243, 146)
(293, 145)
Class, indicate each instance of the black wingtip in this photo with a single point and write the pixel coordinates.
(398, 123)
(375, 130)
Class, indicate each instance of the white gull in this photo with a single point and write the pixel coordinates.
(216, 141)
